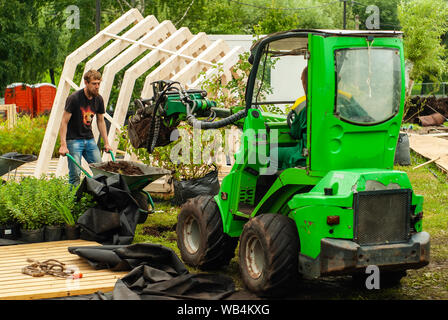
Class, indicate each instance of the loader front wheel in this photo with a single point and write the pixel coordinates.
(200, 236)
(268, 255)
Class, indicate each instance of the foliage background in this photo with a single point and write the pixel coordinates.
(34, 38)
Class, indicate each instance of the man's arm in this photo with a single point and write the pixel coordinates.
(63, 150)
(103, 131)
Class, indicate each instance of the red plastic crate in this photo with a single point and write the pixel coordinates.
(20, 94)
(44, 94)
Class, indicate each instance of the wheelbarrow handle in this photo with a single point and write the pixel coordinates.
(78, 165)
(112, 155)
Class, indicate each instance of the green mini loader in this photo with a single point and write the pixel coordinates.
(312, 191)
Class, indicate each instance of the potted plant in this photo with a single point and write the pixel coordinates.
(64, 211)
(57, 192)
(9, 229)
(25, 205)
(69, 209)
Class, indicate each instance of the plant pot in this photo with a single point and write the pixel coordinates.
(53, 233)
(72, 232)
(32, 236)
(10, 231)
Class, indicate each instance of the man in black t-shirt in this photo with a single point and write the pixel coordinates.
(76, 127)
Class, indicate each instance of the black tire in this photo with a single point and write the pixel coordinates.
(200, 236)
(269, 255)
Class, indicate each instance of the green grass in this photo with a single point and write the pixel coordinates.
(430, 282)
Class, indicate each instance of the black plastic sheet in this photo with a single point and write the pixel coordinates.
(186, 189)
(114, 218)
(156, 273)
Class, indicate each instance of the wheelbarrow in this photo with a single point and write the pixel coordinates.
(12, 160)
(136, 183)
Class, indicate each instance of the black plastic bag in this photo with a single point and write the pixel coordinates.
(403, 153)
(114, 218)
(186, 189)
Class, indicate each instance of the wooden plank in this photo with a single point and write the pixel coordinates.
(15, 285)
(430, 147)
(173, 64)
(11, 114)
(28, 168)
(213, 53)
(160, 32)
(227, 61)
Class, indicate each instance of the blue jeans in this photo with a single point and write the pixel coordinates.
(81, 148)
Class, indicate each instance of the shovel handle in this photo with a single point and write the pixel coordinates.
(78, 165)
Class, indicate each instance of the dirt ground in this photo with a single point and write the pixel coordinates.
(121, 167)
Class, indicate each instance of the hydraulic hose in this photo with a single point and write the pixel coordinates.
(192, 121)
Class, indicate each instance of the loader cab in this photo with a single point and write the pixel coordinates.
(354, 101)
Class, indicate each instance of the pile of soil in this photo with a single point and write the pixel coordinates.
(426, 106)
(121, 167)
(156, 231)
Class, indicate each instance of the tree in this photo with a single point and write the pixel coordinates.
(424, 22)
(387, 13)
(299, 14)
(29, 44)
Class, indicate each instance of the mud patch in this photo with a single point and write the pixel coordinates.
(156, 231)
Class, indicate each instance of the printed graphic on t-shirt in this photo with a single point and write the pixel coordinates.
(87, 116)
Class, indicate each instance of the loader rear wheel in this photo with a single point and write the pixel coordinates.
(200, 236)
(268, 255)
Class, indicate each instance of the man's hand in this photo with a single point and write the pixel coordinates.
(107, 147)
(63, 150)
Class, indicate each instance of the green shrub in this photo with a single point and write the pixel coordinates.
(190, 155)
(29, 201)
(5, 214)
(26, 137)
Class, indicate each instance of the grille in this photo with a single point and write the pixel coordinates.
(382, 216)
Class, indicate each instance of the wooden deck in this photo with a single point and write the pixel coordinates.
(432, 148)
(17, 286)
(27, 169)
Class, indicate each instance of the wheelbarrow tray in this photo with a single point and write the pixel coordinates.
(150, 174)
(9, 164)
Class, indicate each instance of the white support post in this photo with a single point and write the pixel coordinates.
(174, 42)
(155, 36)
(175, 63)
(213, 53)
(181, 55)
(54, 122)
(227, 62)
(104, 56)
